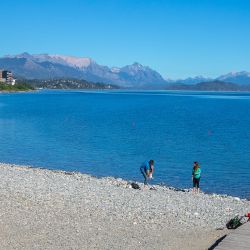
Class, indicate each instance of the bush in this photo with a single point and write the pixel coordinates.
(16, 87)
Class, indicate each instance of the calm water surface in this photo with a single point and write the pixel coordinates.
(111, 133)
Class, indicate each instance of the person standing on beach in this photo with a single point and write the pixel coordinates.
(147, 169)
(196, 175)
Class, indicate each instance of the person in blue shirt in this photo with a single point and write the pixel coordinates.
(147, 169)
(196, 175)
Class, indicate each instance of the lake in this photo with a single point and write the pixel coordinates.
(110, 133)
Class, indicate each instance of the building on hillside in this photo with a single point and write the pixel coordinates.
(6, 76)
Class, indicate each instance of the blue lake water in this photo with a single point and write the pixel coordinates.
(112, 133)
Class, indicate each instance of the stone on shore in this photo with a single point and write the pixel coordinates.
(44, 209)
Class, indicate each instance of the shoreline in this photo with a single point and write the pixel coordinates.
(16, 91)
(124, 182)
(52, 209)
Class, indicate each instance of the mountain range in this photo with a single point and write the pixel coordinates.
(214, 85)
(46, 66)
(55, 66)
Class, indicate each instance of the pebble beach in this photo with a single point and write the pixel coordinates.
(50, 209)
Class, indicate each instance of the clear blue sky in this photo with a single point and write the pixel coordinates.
(179, 38)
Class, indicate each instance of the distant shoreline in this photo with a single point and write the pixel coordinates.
(128, 89)
(18, 87)
(16, 91)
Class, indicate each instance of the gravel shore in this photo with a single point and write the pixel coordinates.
(44, 209)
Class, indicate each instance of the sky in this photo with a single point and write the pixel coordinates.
(178, 38)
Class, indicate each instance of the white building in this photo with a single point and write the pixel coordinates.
(6, 76)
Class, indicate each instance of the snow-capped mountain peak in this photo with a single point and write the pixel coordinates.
(242, 77)
(235, 74)
(192, 80)
(80, 62)
(115, 69)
